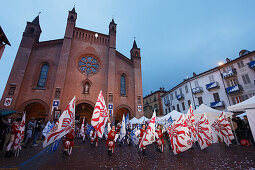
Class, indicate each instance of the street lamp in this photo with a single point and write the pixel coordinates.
(220, 63)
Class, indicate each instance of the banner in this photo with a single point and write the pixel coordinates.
(191, 124)
(63, 126)
(222, 128)
(204, 132)
(179, 135)
(149, 136)
(20, 135)
(100, 115)
(47, 128)
(123, 128)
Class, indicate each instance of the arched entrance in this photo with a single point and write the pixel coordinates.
(83, 110)
(119, 114)
(36, 110)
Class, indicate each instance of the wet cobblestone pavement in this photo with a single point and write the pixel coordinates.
(217, 156)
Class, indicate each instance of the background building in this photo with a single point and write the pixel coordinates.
(153, 101)
(3, 41)
(47, 75)
(220, 87)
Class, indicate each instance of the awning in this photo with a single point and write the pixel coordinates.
(5, 112)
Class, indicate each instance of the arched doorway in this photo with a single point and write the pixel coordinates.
(83, 110)
(36, 110)
(119, 114)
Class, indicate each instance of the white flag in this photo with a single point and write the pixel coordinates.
(63, 126)
(123, 128)
(20, 135)
(82, 132)
(100, 115)
(222, 129)
(204, 132)
(47, 128)
(180, 135)
(149, 136)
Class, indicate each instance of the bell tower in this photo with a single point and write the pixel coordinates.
(136, 59)
(30, 36)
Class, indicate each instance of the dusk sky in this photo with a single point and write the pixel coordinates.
(176, 37)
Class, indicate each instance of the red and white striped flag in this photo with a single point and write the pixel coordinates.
(100, 115)
(191, 124)
(63, 126)
(222, 129)
(149, 136)
(20, 135)
(204, 132)
(82, 132)
(180, 135)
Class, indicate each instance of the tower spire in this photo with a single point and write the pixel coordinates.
(134, 44)
(36, 20)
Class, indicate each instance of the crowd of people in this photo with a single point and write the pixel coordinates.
(34, 128)
(242, 130)
(9, 129)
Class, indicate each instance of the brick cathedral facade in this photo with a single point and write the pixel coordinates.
(81, 64)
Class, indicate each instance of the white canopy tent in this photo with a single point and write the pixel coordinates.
(212, 115)
(143, 120)
(134, 120)
(174, 114)
(247, 106)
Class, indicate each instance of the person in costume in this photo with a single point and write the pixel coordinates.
(14, 132)
(93, 138)
(69, 142)
(140, 133)
(111, 139)
(129, 135)
(159, 139)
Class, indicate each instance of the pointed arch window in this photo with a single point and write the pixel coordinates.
(43, 75)
(123, 85)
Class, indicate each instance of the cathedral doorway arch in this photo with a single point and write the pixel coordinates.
(83, 110)
(35, 110)
(119, 113)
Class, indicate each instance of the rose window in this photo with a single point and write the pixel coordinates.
(88, 65)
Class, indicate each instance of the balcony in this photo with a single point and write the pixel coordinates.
(229, 73)
(167, 102)
(180, 97)
(197, 90)
(212, 85)
(234, 89)
(252, 65)
(217, 104)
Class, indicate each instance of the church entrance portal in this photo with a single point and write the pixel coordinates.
(83, 110)
(119, 114)
(35, 110)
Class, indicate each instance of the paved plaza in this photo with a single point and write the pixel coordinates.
(217, 156)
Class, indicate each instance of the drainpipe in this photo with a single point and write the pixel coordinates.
(224, 86)
(192, 95)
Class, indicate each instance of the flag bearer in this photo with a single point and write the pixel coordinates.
(159, 139)
(112, 136)
(93, 138)
(141, 132)
(69, 142)
(14, 132)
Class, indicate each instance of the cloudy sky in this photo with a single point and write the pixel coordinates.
(176, 37)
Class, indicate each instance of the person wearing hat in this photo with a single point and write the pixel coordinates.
(111, 139)
(14, 132)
